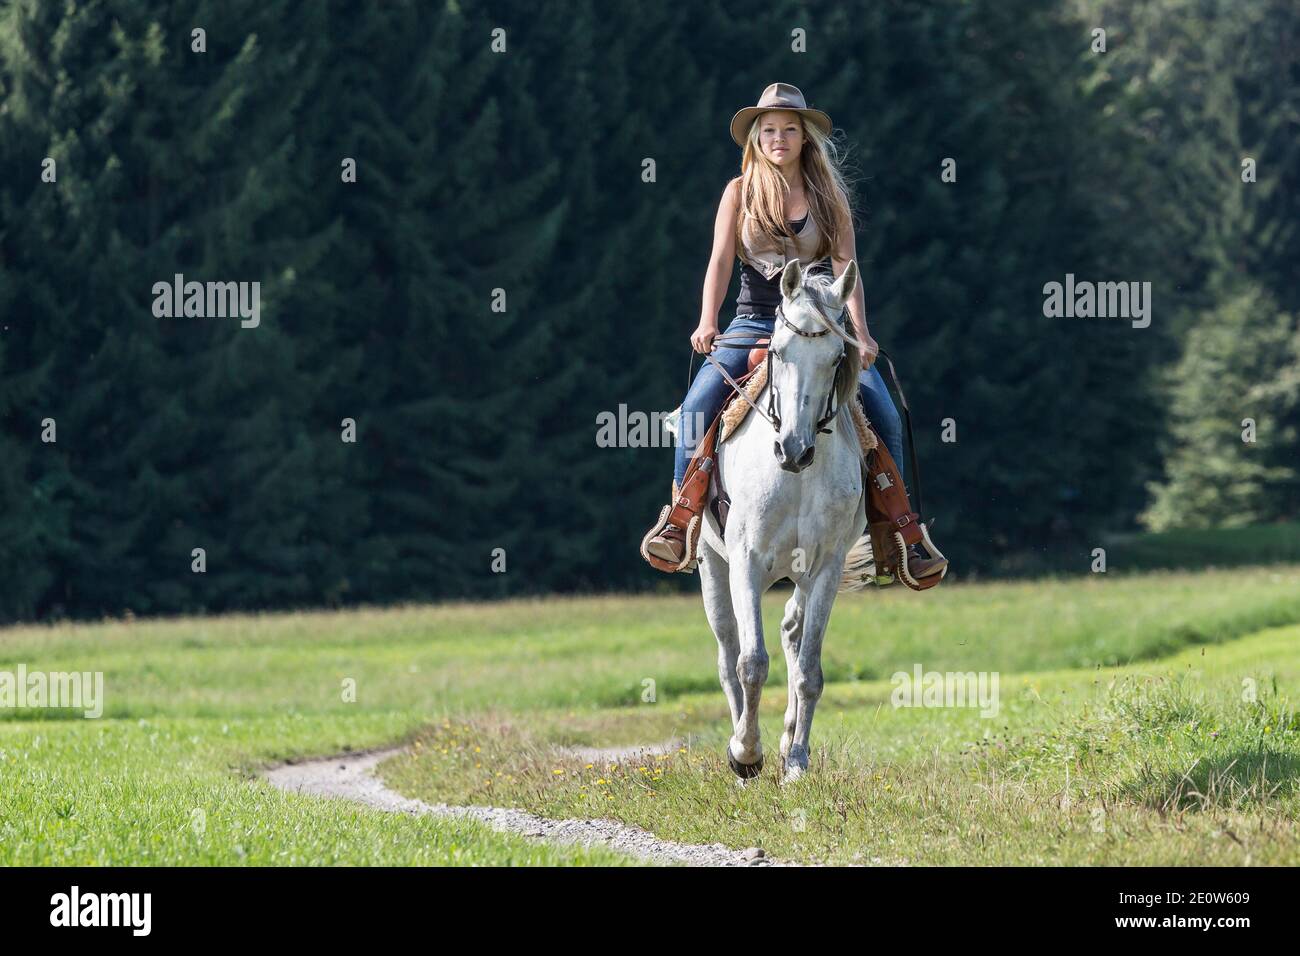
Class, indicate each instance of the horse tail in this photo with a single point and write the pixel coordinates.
(859, 566)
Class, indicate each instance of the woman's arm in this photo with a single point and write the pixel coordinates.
(840, 258)
(721, 263)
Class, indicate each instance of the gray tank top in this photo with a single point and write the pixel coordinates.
(760, 294)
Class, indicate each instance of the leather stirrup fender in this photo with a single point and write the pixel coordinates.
(892, 524)
(686, 510)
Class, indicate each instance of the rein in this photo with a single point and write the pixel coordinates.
(831, 408)
(727, 375)
(771, 416)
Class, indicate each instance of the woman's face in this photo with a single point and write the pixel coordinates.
(780, 135)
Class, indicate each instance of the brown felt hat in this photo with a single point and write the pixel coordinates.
(778, 96)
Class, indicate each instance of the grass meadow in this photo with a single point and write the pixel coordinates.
(1143, 719)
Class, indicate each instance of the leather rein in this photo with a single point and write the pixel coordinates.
(774, 420)
(771, 414)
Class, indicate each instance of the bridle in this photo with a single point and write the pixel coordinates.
(772, 414)
(832, 407)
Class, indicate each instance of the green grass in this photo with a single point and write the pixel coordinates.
(179, 792)
(194, 705)
(1206, 547)
(1162, 763)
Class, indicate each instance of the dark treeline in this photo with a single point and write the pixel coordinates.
(524, 248)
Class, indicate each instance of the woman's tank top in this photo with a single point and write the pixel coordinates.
(760, 292)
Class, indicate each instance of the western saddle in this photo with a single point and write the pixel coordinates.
(892, 525)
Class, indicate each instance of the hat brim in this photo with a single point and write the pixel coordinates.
(740, 122)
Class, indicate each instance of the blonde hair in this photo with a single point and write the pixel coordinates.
(763, 189)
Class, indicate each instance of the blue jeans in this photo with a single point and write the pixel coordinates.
(709, 390)
(882, 414)
(704, 398)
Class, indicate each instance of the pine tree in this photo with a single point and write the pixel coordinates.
(172, 433)
(1228, 420)
(1239, 374)
(441, 216)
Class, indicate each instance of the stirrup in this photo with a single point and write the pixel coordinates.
(905, 574)
(690, 536)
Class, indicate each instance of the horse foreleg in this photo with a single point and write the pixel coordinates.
(791, 632)
(722, 619)
(745, 752)
(806, 672)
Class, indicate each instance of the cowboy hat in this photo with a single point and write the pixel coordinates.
(778, 96)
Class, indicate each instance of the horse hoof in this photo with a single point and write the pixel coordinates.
(745, 771)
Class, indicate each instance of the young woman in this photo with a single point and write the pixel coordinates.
(790, 201)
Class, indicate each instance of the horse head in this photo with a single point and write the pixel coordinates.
(814, 360)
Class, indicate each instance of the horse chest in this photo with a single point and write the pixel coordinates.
(781, 521)
(794, 530)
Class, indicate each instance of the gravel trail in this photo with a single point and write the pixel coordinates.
(351, 777)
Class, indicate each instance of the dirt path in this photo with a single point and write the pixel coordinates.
(351, 777)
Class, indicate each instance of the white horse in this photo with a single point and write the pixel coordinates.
(797, 508)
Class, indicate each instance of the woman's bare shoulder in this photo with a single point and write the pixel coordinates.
(732, 193)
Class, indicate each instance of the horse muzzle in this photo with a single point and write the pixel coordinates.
(793, 454)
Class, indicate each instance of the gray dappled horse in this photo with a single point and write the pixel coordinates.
(798, 505)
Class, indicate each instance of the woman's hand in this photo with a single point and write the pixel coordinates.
(702, 337)
(870, 351)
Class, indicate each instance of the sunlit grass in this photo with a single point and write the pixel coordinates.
(193, 705)
(1194, 759)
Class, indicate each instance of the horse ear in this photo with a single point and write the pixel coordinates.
(846, 283)
(791, 278)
